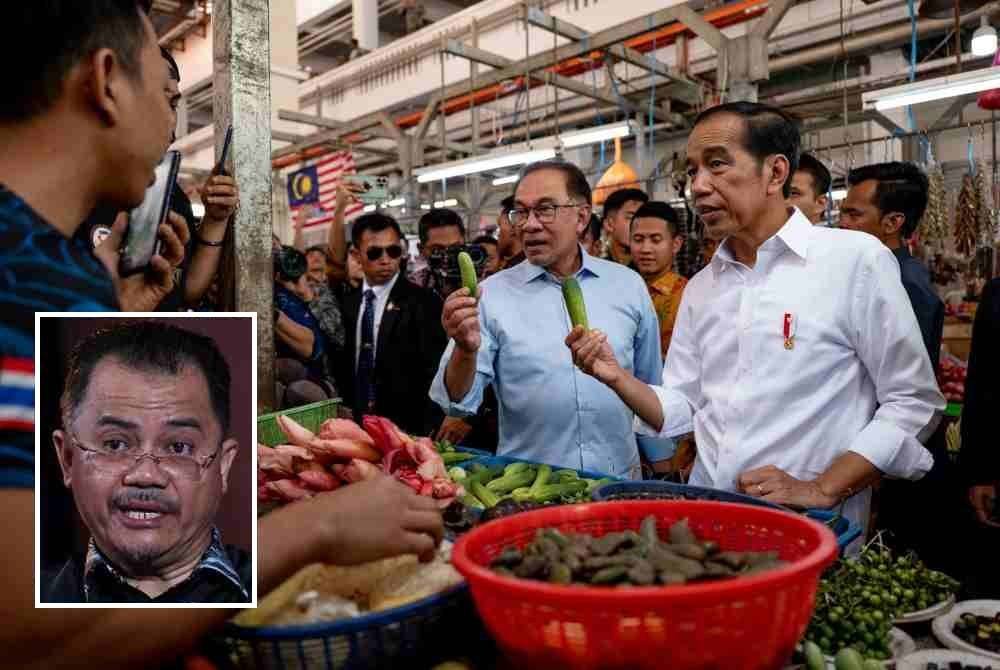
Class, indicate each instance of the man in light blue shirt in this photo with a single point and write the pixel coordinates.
(514, 338)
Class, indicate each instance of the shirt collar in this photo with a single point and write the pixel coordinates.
(794, 236)
(665, 282)
(530, 272)
(380, 290)
(214, 559)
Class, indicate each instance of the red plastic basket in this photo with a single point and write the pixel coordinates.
(750, 623)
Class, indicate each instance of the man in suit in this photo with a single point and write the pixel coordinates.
(394, 336)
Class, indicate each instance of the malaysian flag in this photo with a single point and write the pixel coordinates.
(328, 170)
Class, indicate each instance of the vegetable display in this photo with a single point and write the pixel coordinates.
(859, 598)
(343, 452)
(628, 558)
(521, 484)
(980, 631)
(468, 270)
(573, 296)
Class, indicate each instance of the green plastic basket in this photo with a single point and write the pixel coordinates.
(309, 416)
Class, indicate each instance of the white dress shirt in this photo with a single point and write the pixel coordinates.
(381, 300)
(856, 378)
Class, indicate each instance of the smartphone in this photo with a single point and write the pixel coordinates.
(375, 190)
(220, 167)
(141, 242)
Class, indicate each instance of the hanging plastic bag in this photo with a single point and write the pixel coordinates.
(991, 99)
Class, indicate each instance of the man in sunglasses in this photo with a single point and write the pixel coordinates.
(148, 471)
(393, 329)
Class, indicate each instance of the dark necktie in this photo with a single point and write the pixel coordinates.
(366, 358)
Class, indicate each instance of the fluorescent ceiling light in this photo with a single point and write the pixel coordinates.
(398, 202)
(596, 134)
(368, 208)
(198, 210)
(492, 161)
(509, 179)
(425, 206)
(934, 89)
(839, 194)
(450, 202)
(984, 40)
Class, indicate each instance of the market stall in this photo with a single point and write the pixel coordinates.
(551, 567)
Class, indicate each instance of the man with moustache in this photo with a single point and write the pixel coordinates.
(148, 471)
(512, 337)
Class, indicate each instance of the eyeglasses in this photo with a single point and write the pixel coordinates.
(393, 250)
(117, 460)
(544, 213)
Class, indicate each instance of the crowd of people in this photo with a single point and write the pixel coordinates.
(800, 357)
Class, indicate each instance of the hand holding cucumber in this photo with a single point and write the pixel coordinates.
(593, 354)
(460, 320)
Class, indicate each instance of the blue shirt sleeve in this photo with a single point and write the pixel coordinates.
(649, 368)
(469, 405)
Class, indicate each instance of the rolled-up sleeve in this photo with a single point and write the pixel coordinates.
(890, 346)
(469, 405)
(680, 391)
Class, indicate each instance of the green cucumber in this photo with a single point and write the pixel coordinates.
(814, 656)
(848, 658)
(468, 270)
(573, 296)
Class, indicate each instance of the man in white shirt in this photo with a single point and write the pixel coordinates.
(394, 336)
(796, 358)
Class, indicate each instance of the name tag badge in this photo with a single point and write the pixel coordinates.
(788, 330)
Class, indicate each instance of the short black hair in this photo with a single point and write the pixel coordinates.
(175, 72)
(439, 218)
(821, 176)
(657, 209)
(902, 187)
(507, 204)
(618, 199)
(576, 182)
(53, 36)
(147, 345)
(290, 263)
(485, 239)
(769, 131)
(320, 248)
(374, 222)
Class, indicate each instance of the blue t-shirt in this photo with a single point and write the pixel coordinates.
(40, 271)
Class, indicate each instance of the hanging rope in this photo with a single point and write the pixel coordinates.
(652, 102)
(843, 55)
(600, 117)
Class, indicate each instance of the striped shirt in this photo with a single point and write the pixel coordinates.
(40, 271)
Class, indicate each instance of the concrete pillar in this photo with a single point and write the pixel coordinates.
(242, 86)
(364, 17)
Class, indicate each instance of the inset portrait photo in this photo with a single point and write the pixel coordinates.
(145, 475)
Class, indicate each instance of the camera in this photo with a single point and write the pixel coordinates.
(443, 264)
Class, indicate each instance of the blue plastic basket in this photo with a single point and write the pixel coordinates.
(420, 634)
(845, 530)
(490, 461)
(478, 453)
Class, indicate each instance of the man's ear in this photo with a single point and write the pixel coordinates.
(583, 220)
(822, 201)
(780, 173)
(228, 455)
(678, 243)
(893, 222)
(106, 81)
(64, 452)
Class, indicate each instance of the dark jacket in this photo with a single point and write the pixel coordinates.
(407, 353)
(926, 304)
(979, 458)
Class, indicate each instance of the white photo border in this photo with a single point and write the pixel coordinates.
(253, 455)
